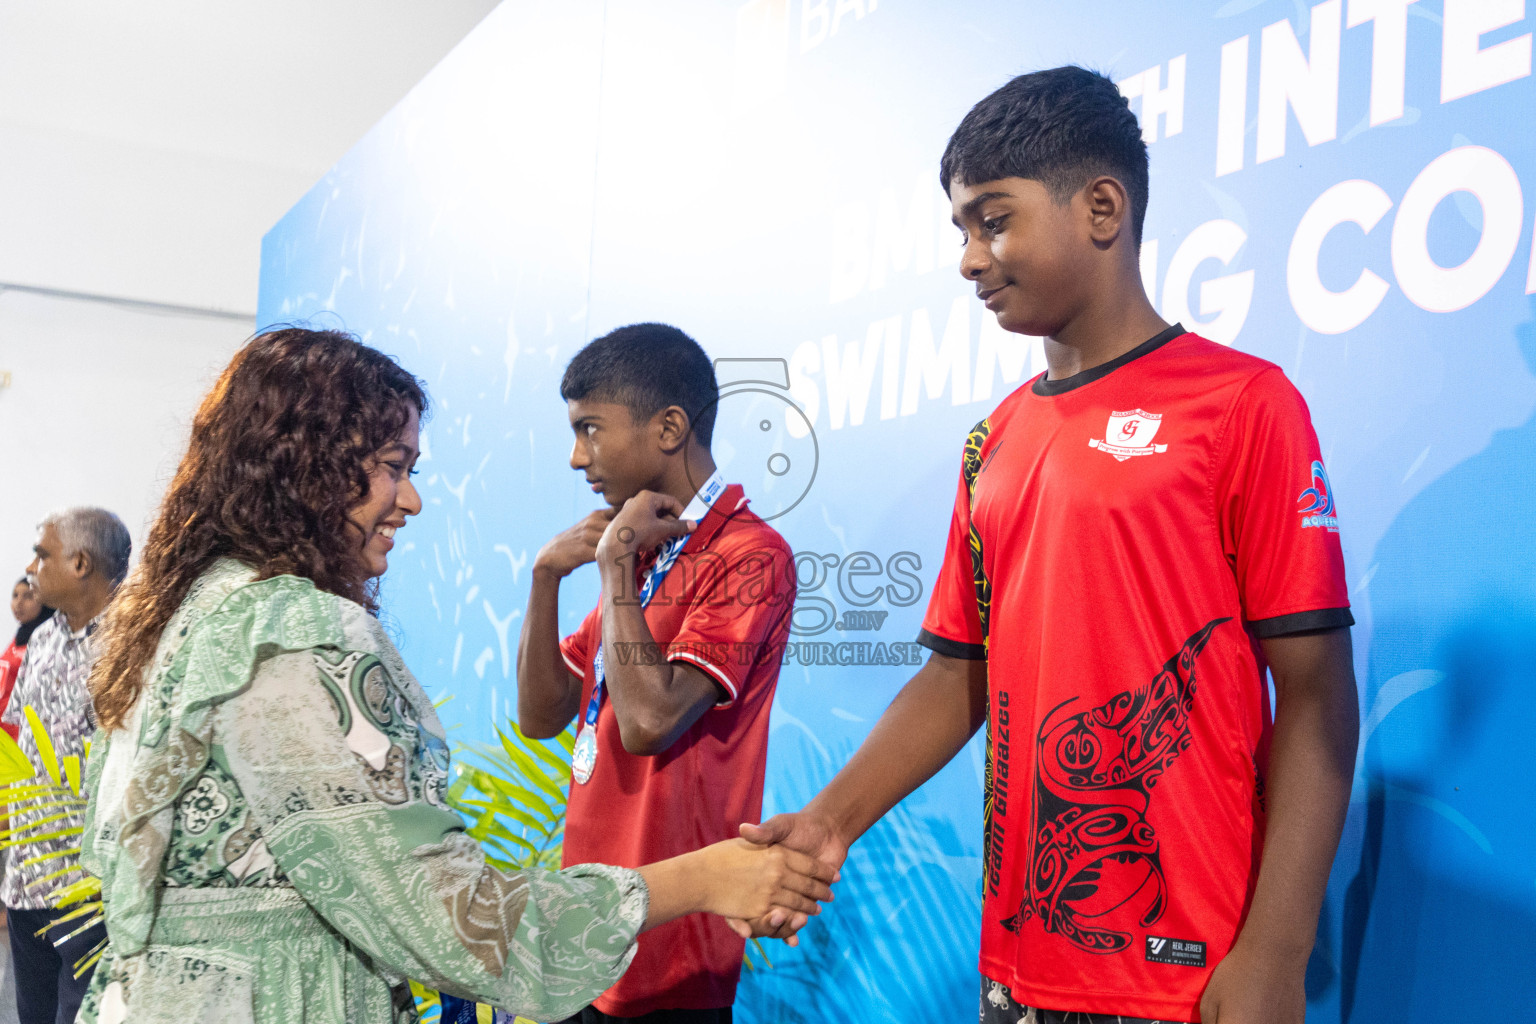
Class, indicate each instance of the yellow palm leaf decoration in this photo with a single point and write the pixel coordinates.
(44, 744)
(58, 790)
(14, 766)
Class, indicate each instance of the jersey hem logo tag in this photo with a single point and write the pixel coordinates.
(1130, 434)
(1317, 502)
(1179, 952)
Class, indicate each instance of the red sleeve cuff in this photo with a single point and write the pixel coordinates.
(714, 672)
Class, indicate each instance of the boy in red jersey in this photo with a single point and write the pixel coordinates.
(671, 676)
(1138, 533)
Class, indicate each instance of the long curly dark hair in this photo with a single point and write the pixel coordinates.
(279, 455)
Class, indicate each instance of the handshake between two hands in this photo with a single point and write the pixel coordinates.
(790, 862)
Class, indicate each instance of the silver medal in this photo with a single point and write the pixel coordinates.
(584, 754)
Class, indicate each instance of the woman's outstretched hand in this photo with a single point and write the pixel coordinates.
(754, 880)
(809, 833)
(740, 880)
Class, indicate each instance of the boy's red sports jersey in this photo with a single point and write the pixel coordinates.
(725, 608)
(1121, 540)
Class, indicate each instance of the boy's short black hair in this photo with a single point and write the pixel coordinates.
(645, 368)
(1059, 127)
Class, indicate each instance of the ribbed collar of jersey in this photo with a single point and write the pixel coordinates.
(1093, 373)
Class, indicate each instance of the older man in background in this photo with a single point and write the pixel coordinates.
(81, 557)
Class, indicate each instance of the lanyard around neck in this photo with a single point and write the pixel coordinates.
(666, 557)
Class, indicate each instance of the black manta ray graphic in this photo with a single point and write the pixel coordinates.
(1093, 851)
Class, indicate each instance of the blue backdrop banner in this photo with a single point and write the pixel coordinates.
(1338, 188)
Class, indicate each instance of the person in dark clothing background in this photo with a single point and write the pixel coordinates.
(30, 613)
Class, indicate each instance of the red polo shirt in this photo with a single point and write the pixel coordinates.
(10, 668)
(724, 608)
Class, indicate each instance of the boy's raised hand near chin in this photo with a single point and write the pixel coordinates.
(574, 547)
(646, 520)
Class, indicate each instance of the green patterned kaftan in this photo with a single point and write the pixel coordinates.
(272, 840)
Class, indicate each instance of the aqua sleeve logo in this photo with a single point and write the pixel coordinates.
(1317, 501)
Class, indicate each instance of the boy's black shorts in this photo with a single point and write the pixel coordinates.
(999, 1007)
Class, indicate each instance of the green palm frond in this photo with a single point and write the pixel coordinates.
(746, 956)
(58, 787)
(513, 793)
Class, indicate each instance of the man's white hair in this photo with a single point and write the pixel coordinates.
(96, 532)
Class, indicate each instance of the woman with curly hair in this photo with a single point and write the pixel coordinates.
(268, 818)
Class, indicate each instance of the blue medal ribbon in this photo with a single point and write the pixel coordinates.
(584, 755)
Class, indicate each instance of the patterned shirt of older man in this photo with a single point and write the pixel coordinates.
(52, 682)
(81, 558)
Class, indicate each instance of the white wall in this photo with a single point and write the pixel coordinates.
(145, 148)
(100, 400)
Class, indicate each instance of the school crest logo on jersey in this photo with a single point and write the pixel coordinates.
(1130, 434)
